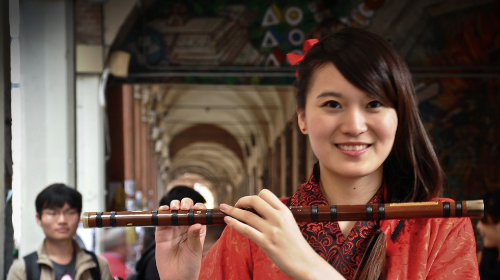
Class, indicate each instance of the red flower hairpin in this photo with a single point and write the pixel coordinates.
(294, 58)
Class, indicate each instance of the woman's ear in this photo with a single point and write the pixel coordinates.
(38, 219)
(301, 119)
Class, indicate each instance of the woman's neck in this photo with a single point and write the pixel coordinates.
(339, 190)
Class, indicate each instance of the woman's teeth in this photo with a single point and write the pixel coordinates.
(352, 147)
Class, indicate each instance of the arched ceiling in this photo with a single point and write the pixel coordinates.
(214, 130)
(205, 133)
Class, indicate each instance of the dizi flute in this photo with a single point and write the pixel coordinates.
(386, 211)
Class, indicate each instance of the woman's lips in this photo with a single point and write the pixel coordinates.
(353, 149)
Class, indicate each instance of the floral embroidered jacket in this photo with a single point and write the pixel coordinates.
(416, 248)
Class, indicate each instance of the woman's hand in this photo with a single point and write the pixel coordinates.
(277, 233)
(179, 249)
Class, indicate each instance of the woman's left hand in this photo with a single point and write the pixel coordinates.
(277, 233)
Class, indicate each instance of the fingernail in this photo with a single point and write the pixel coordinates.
(176, 204)
(223, 207)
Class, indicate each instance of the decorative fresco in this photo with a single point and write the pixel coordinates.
(230, 33)
(454, 59)
(461, 105)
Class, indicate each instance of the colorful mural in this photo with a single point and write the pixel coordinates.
(459, 50)
(463, 115)
(229, 33)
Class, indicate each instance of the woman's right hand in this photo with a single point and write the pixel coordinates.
(179, 249)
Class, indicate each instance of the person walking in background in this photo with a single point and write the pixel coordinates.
(489, 229)
(59, 257)
(114, 242)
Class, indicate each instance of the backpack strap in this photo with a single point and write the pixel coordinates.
(32, 267)
(95, 271)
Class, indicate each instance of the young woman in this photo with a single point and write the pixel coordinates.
(356, 102)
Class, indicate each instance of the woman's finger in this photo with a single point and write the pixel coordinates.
(196, 237)
(271, 199)
(186, 203)
(260, 206)
(200, 206)
(259, 221)
(164, 207)
(247, 230)
(175, 204)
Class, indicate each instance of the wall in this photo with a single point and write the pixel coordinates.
(43, 110)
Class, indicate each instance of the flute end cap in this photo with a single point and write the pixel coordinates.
(85, 219)
(475, 208)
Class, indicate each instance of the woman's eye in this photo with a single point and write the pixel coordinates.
(374, 104)
(332, 104)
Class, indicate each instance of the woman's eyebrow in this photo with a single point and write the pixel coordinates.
(329, 94)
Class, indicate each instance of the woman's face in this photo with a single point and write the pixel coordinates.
(490, 232)
(350, 132)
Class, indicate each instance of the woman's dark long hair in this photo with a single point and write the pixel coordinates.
(412, 171)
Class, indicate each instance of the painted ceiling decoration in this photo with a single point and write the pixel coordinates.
(217, 70)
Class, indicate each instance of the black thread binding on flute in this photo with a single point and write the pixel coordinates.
(175, 219)
(98, 219)
(191, 217)
(314, 213)
(458, 209)
(154, 217)
(112, 219)
(381, 211)
(209, 217)
(446, 209)
(333, 212)
(369, 212)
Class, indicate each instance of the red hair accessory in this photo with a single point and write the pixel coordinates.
(294, 58)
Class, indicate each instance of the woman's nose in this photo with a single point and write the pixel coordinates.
(353, 122)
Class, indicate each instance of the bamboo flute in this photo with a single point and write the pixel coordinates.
(387, 211)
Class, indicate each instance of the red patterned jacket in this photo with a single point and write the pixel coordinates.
(422, 248)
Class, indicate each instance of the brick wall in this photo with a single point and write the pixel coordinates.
(89, 22)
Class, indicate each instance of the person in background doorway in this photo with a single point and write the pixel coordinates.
(115, 247)
(59, 257)
(489, 229)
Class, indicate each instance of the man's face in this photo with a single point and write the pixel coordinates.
(59, 224)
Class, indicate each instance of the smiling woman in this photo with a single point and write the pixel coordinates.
(357, 104)
(351, 133)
